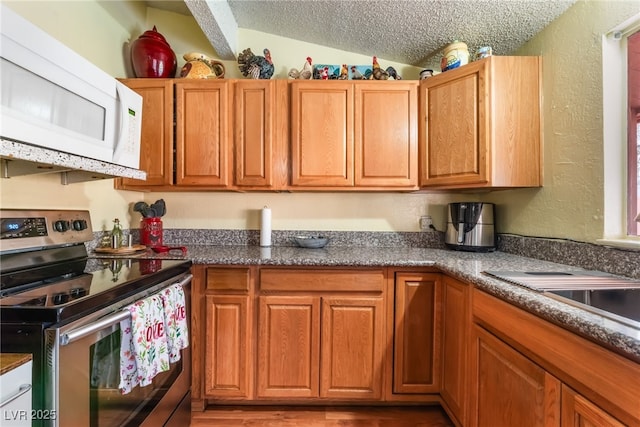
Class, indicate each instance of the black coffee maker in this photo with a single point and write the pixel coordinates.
(470, 227)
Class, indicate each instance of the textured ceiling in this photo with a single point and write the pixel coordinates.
(410, 32)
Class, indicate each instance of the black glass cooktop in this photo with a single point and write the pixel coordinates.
(89, 284)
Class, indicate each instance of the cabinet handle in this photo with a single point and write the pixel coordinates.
(22, 390)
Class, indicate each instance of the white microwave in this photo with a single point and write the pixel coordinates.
(52, 97)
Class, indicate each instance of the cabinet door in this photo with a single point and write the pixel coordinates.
(228, 365)
(260, 153)
(202, 133)
(456, 322)
(508, 389)
(352, 362)
(578, 411)
(416, 361)
(386, 134)
(322, 134)
(288, 346)
(454, 114)
(156, 149)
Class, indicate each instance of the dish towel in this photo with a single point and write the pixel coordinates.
(149, 348)
(175, 317)
(128, 367)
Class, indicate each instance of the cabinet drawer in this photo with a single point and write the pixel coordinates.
(322, 280)
(228, 279)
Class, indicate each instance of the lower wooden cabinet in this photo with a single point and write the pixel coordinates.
(318, 343)
(416, 333)
(366, 335)
(456, 325)
(288, 346)
(226, 357)
(527, 371)
(352, 347)
(578, 411)
(227, 352)
(509, 389)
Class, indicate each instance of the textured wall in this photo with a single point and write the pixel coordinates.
(570, 205)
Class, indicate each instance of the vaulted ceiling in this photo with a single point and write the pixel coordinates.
(406, 31)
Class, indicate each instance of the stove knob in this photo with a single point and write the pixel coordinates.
(79, 224)
(60, 299)
(61, 225)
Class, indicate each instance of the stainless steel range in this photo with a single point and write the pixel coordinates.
(65, 309)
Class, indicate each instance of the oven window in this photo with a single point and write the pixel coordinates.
(108, 407)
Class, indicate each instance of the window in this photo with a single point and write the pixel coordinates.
(621, 120)
(633, 169)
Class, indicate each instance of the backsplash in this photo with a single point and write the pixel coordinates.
(624, 262)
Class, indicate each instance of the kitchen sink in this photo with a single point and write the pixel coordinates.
(604, 294)
(565, 280)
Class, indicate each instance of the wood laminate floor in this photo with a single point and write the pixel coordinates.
(425, 416)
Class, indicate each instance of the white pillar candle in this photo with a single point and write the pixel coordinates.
(265, 227)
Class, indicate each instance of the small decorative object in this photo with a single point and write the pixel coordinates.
(455, 55)
(425, 74)
(324, 74)
(311, 242)
(151, 56)
(116, 234)
(356, 74)
(393, 73)
(483, 52)
(306, 73)
(151, 224)
(255, 67)
(200, 66)
(378, 73)
(344, 72)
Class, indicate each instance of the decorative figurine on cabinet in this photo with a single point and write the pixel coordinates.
(305, 74)
(200, 66)
(344, 72)
(356, 74)
(324, 75)
(255, 67)
(378, 73)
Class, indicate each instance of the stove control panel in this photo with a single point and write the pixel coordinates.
(26, 229)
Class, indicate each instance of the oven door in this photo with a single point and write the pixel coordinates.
(84, 379)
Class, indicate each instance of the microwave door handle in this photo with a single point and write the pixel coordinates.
(105, 322)
(122, 109)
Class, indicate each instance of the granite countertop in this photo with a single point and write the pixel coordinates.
(9, 361)
(467, 266)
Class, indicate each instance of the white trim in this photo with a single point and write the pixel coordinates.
(621, 243)
(614, 120)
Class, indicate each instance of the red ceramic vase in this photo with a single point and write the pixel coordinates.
(151, 56)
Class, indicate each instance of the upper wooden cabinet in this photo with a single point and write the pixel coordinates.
(480, 125)
(354, 135)
(202, 133)
(260, 134)
(229, 134)
(156, 150)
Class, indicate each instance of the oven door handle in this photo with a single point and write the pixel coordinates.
(105, 322)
